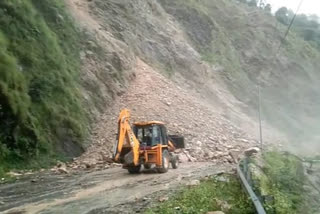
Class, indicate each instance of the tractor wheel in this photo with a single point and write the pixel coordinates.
(175, 162)
(147, 166)
(165, 162)
(134, 169)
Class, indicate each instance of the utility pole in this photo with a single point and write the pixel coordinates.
(260, 125)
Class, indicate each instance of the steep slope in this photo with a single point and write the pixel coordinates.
(218, 47)
(245, 42)
(149, 33)
(40, 101)
(203, 52)
(48, 100)
(151, 96)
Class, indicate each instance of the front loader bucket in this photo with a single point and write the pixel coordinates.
(178, 141)
(128, 158)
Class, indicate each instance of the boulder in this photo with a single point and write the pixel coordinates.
(146, 199)
(223, 204)
(251, 151)
(63, 170)
(90, 164)
(60, 164)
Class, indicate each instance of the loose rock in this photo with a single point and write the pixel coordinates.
(63, 170)
(162, 199)
(194, 183)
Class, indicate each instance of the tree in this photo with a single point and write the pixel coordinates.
(282, 15)
(253, 3)
(308, 27)
(267, 8)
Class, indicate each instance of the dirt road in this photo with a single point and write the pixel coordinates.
(106, 191)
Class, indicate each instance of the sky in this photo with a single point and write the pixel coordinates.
(308, 6)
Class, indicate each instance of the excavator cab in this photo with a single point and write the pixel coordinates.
(154, 148)
(146, 143)
(150, 134)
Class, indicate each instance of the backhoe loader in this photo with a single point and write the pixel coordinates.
(145, 143)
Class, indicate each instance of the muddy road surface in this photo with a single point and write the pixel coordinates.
(106, 191)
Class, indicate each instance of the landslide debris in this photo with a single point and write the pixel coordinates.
(216, 49)
(243, 42)
(222, 50)
(151, 96)
(188, 95)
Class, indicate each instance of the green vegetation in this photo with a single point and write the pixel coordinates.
(286, 175)
(281, 178)
(40, 101)
(257, 3)
(214, 194)
(308, 27)
(277, 178)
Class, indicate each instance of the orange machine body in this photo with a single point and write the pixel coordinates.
(146, 143)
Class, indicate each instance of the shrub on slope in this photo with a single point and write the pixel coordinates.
(40, 104)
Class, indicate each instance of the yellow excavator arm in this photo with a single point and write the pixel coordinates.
(126, 138)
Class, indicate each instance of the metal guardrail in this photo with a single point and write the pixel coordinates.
(253, 196)
(247, 182)
(255, 200)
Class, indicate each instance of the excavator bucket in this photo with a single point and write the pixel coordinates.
(178, 141)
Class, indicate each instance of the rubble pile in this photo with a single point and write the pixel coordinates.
(151, 96)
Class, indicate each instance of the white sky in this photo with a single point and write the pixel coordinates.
(308, 6)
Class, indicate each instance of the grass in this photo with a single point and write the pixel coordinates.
(282, 178)
(286, 175)
(208, 197)
(40, 100)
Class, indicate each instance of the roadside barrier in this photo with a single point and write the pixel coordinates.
(246, 184)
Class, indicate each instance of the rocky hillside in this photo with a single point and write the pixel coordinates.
(68, 66)
(151, 96)
(245, 43)
(221, 50)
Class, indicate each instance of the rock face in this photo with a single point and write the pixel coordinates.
(107, 62)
